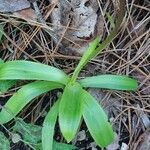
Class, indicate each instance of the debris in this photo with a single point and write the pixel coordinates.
(144, 80)
(114, 145)
(26, 14)
(16, 138)
(81, 135)
(145, 142)
(85, 24)
(13, 5)
(144, 118)
(124, 146)
(92, 146)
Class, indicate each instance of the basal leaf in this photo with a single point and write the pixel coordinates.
(70, 111)
(1, 61)
(57, 146)
(5, 85)
(116, 82)
(27, 70)
(49, 127)
(4, 142)
(85, 58)
(62, 146)
(20, 99)
(95, 48)
(96, 120)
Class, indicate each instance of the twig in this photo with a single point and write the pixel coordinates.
(41, 20)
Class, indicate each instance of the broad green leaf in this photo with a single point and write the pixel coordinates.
(57, 146)
(85, 58)
(4, 142)
(23, 96)
(27, 70)
(62, 146)
(5, 85)
(117, 82)
(96, 120)
(70, 111)
(1, 61)
(49, 127)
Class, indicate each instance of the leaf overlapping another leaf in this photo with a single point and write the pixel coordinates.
(96, 120)
(23, 96)
(48, 127)
(27, 70)
(5, 85)
(108, 81)
(70, 110)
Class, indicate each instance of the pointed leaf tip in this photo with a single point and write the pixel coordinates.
(96, 121)
(109, 81)
(70, 111)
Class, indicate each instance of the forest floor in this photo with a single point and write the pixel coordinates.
(57, 33)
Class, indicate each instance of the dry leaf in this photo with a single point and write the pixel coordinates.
(85, 23)
(13, 5)
(26, 14)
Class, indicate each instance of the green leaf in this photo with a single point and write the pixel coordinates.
(5, 85)
(20, 99)
(49, 127)
(85, 58)
(96, 120)
(95, 48)
(117, 82)
(62, 146)
(4, 142)
(70, 111)
(27, 70)
(119, 19)
(57, 146)
(1, 61)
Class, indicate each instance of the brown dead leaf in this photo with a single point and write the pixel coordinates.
(85, 24)
(26, 14)
(13, 5)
